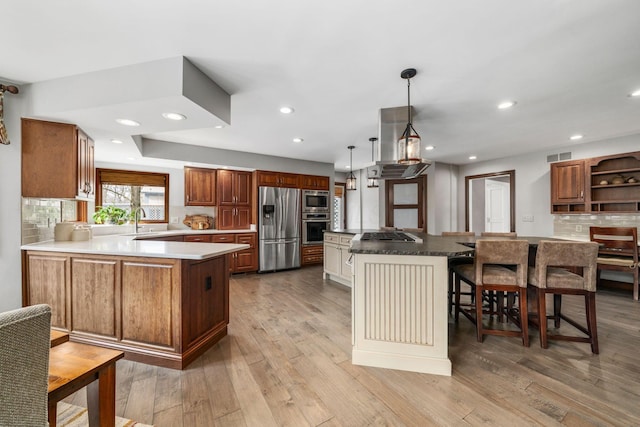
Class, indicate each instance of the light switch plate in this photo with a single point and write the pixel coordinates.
(527, 218)
(174, 220)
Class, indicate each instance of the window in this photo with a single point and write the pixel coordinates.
(130, 189)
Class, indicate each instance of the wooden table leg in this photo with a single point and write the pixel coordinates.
(52, 413)
(101, 398)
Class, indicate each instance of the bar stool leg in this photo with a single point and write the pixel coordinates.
(542, 317)
(590, 305)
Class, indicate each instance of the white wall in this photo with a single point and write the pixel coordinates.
(533, 189)
(15, 106)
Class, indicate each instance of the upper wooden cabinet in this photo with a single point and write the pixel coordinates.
(599, 184)
(199, 187)
(234, 200)
(57, 161)
(615, 183)
(314, 182)
(277, 179)
(233, 187)
(568, 186)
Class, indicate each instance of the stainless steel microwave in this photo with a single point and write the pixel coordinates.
(315, 201)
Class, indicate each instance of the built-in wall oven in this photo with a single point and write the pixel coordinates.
(313, 226)
(315, 201)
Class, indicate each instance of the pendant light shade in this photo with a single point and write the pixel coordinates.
(409, 142)
(372, 182)
(351, 178)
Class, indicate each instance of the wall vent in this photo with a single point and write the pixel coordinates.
(556, 157)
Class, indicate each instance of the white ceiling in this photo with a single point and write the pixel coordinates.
(569, 64)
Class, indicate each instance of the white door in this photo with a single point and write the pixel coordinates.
(497, 205)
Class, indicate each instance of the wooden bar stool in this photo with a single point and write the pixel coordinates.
(618, 251)
(548, 278)
(493, 270)
(454, 261)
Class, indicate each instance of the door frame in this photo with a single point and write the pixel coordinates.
(421, 205)
(512, 195)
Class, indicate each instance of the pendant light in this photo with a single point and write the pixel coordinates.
(351, 178)
(372, 182)
(409, 142)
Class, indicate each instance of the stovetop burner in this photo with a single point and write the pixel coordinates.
(389, 236)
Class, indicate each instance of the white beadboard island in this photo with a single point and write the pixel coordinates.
(399, 304)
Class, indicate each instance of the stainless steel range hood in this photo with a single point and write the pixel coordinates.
(392, 122)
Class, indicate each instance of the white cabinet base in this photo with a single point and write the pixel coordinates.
(399, 313)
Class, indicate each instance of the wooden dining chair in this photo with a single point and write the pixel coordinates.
(550, 276)
(618, 251)
(457, 260)
(500, 266)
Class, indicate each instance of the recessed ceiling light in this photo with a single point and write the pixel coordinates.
(506, 104)
(298, 139)
(130, 158)
(174, 116)
(127, 122)
(575, 137)
(286, 110)
(472, 157)
(429, 147)
(348, 167)
(219, 126)
(116, 141)
(635, 93)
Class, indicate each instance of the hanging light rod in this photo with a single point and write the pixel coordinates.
(409, 142)
(351, 178)
(372, 182)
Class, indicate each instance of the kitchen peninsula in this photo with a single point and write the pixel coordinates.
(399, 303)
(161, 302)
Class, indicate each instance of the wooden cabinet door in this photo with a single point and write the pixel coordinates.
(314, 182)
(567, 182)
(47, 283)
(247, 259)
(289, 180)
(153, 287)
(86, 180)
(95, 290)
(49, 159)
(242, 217)
(268, 179)
(199, 187)
(207, 290)
(242, 188)
(225, 187)
(225, 218)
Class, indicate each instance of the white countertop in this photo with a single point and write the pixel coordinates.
(136, 245)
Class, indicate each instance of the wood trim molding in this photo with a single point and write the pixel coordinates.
(512, 195)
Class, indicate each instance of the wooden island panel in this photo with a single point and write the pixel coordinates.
(94, 296)
(160, 311)
(47, 276)
(148, 293)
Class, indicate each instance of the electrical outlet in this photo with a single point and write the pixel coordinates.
(578, 228)
(527, 218)
(174, 220)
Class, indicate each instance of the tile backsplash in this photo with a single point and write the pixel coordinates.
(577, 226)
(39, 217)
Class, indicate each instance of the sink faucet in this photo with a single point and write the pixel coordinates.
(136, 216)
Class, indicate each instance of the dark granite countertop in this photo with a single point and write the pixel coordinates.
(431, 246)
(353, 231)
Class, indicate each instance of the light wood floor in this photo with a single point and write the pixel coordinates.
(287, 362)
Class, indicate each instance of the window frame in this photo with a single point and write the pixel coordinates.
(137, 178)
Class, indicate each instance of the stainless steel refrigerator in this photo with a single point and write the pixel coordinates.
(279, 228)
